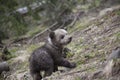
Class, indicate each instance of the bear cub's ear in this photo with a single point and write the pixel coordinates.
(52, 34)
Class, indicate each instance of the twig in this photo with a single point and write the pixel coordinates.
(73, 22)
(70, 73)
(30, 41)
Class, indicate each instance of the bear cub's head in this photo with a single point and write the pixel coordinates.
(59, 38)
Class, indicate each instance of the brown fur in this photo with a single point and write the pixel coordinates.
(48, 57)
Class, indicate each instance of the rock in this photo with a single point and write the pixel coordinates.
(112, 67)
(4, 67)
(115, 54)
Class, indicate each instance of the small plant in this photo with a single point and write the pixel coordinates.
(117, 12)
(8, 56)
(88, 56)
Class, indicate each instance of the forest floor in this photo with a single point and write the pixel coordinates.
(94, 38)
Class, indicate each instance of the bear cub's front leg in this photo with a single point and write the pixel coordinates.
(66, 63)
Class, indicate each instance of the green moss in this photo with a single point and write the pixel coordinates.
(118, 35)
(23, 66)
(85, 7)
(20, 66)
(76, 47)
(0, 53)
(69, 54)
(94, 4)
(78, 78)
(90, 55)
(97, 3)
(92, 69)
(117, 12)
(103, 58)
(14, 50)
(79, 25)
(9, 56)
(81, 61)
(1, 77)
(32, 47)
(35, 30)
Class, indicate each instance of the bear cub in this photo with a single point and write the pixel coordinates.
(48, 57)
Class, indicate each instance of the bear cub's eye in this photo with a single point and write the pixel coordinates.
(62, 36)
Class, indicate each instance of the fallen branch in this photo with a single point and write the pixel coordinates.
(71, 73)
(48, 29)
(74, 21)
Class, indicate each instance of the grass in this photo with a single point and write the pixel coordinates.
(81, 61)
(14, 50)
(32, 47)
(77, 27)
(118, 35)
(35, 30)
(90, 55)
(77, 78)
(117, 12)
(95, 4)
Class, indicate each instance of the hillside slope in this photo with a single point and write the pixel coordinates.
(93, 40)
(92, 45)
